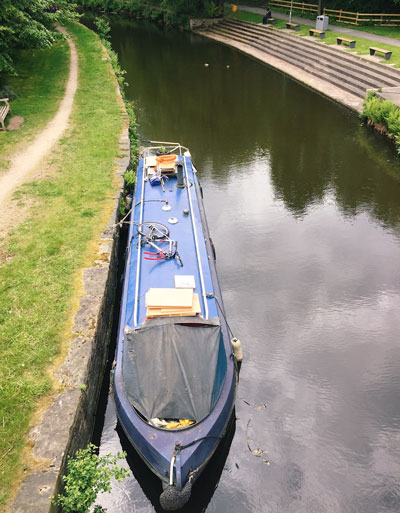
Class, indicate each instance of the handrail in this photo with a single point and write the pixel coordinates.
(196, 242)
(172, 146)
(135, 310)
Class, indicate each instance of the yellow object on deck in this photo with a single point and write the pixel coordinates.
(179, 423)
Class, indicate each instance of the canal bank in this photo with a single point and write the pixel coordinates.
(58, 286)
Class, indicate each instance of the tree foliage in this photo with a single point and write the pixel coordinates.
(29, 24)
(371, 6)
(153, 9)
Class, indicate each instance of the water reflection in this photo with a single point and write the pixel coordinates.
(303, 204)
(230, 115)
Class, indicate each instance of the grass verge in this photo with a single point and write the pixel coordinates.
(43, 256)
(362, 45)
(40, 85)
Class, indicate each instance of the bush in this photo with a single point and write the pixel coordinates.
(103, 28)
(87, 475)
(129, 177)
(8, 92)
(383, 112)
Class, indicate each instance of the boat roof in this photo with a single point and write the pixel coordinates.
(189, 231)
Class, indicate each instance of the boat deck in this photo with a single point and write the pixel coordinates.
(143, 274)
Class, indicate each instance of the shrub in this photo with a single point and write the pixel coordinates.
(87, 475)
(8, 92)
(382, 112)
(102, 27)
(129, 177)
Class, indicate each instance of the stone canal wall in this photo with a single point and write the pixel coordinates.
(67, 424)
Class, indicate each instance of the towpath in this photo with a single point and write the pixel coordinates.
(25, 161)
(311, 23)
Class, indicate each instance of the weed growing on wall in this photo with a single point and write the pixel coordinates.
(88, 474)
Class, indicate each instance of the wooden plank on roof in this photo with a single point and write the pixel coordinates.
(166, 297)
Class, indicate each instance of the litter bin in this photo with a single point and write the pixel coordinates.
(322, 23)
(234, 8)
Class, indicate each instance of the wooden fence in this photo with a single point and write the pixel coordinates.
(340, 16)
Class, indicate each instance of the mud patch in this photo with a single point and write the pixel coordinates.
(15, 123)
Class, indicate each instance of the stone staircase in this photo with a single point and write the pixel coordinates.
(342, 69)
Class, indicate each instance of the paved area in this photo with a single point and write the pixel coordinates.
(311, 23)
(390, 93)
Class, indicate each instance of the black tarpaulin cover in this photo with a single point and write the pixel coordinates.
(169, 368)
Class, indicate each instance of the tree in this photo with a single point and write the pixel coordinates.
(29, 24)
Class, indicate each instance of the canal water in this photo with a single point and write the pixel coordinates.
(303, 204)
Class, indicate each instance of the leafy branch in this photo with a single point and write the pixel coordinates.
(87, 475)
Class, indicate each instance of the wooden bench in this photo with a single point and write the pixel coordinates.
(293, 26)
(268, 20)
(4, 110)
(340, 40)
(387, 53)
(319, 33)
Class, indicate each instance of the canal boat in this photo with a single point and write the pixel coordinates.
(176, 368)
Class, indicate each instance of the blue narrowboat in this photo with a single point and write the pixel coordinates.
(176, 367)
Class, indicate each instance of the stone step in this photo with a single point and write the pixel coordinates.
(319, 49)
(347, 59)
(349, 72)
(313, 68)
(319, 62)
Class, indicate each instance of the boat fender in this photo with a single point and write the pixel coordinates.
(172, 499)
(128, 201)
(237, 349)
(213, 249)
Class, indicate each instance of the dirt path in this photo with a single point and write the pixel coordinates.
(25, 161)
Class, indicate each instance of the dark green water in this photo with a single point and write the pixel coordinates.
(303, 204)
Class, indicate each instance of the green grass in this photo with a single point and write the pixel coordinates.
(245, 16)
(47, 250)
(362, 45)
(40, 85)
(393, 32)
(254, 18)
